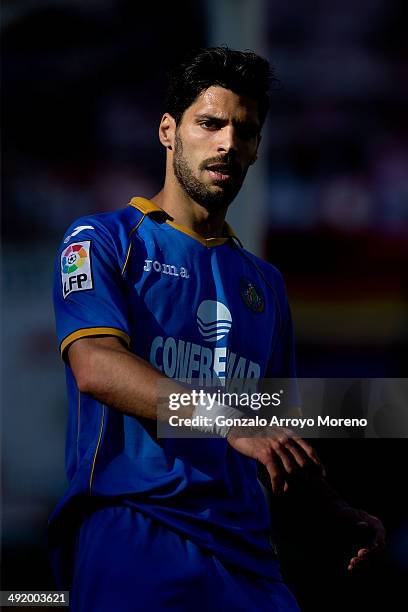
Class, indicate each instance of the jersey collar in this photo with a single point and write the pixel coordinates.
(148, 207)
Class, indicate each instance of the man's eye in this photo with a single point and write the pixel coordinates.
(209, 125)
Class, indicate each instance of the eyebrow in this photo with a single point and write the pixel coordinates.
(208, 117)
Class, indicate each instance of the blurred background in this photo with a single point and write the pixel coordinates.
(327, 202)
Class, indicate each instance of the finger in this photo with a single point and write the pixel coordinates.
(285, 457)
(275, 474)
(301, 457)
(293, 456)
(361, 560)
(362, 555)
(298, 453)
(310, 452)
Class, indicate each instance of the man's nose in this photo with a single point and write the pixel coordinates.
(227, 139)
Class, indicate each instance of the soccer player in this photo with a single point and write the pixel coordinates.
(162, 289)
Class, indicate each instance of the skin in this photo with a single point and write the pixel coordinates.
(207, 157)
(219, 127)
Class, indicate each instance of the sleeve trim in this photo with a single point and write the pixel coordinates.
(93, 331)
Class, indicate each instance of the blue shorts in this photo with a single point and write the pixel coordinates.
(128, 562)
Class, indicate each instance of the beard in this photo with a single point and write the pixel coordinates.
(200, 192)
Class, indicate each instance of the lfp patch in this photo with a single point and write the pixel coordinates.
(76, 274)
(252, 295)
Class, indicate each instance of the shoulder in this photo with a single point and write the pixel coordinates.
(108, 232)
(115, 224)
(118, 225)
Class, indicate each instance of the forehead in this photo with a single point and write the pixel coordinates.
(224, 104)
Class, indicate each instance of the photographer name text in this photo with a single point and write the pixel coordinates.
(274, 421)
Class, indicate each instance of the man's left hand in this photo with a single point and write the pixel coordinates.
(368, 533)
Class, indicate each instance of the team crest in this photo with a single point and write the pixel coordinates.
(252, 295)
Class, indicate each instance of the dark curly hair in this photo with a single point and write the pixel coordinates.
(243, 72)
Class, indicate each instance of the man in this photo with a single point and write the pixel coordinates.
(158, 290)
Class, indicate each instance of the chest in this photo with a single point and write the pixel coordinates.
(196, 310)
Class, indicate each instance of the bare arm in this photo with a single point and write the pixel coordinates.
(105, 369)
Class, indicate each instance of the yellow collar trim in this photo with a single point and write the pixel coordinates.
(208, 242)
(147, 207)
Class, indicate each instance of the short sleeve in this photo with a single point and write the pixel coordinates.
(89, 292)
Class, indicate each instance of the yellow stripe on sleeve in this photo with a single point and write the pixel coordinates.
(93, 331)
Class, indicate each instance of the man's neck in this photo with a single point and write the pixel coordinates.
(188, 213)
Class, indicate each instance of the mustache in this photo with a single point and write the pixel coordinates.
(221, 163)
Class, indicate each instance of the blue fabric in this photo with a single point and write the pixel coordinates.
(128, 562)
(201, 488)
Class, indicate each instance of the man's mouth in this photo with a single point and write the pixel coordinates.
(220, 172)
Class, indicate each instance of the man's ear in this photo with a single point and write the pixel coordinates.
(167, 131)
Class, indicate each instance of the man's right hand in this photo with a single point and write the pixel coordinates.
(283, 453)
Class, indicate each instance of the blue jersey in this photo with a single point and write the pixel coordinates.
(194, 308)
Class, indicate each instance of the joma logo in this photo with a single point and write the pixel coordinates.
(164, 268)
